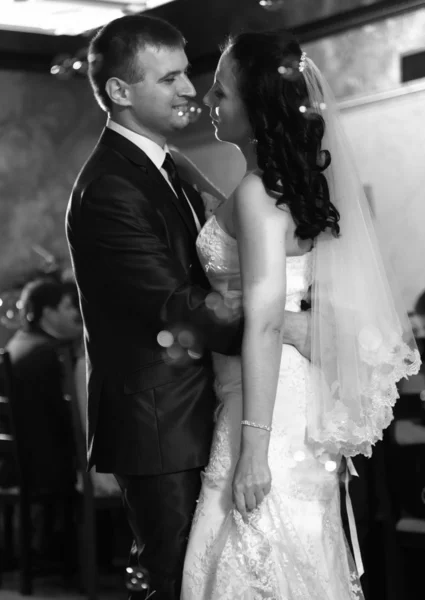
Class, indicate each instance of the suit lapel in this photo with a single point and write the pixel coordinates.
(159, 179)
(196, 201)
(119, 143)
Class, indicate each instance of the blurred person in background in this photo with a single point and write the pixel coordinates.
(49, 319)
(418, 318)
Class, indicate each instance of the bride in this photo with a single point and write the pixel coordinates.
(267, 524)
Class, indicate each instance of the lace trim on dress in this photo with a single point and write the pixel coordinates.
(264, 559)
(347, 436)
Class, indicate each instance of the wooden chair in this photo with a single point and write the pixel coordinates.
(18, 496)
(89, 502)
(371, 499)
(410, 535)
(22, 497)
(408, 487)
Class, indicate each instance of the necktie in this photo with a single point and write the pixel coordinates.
(170, 167)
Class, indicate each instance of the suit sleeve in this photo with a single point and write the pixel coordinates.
(125, 243)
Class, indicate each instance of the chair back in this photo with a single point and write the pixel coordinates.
(12, 449)
(9, 443)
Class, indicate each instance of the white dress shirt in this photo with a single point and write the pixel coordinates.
(154, 152)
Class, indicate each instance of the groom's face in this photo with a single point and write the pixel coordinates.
(159, 103)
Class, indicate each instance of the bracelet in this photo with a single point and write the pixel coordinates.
(257, 425)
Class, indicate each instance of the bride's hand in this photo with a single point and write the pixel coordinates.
(251, 482)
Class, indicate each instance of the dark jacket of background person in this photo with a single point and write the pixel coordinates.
(42, 416)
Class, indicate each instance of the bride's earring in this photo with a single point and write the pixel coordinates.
(253, 141)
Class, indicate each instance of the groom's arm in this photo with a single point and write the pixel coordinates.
(297, 331)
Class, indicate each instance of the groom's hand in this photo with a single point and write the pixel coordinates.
(297, 331)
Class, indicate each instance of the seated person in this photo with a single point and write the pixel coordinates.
(42, 418)
(418, 317)
(407, 432)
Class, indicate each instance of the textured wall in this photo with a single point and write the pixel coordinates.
(304, 11)
(47, 129)
(388, 137)
(367, 59)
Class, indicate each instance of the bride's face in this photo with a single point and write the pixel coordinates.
(227, 110)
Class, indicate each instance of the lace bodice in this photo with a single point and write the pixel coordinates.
(218, 253)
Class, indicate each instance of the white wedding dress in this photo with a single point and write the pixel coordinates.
(293, 547)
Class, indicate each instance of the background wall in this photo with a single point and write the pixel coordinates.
(368, 59)
(47, 130)
(388, 137)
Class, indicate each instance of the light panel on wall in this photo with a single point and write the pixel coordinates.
(67, 17)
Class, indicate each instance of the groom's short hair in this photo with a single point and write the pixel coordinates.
(113, 50)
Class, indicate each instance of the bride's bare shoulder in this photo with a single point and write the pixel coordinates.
(251, 194)
(249, 184)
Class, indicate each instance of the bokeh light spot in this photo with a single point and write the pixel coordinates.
(213, 300)
(175, 352)
(299, 456)
(165, 339)
(186, 339)
(330, 465)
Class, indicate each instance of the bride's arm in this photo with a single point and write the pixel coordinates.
(261, 230)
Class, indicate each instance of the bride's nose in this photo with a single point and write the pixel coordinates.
(207, 99)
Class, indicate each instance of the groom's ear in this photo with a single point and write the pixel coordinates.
(118, 91)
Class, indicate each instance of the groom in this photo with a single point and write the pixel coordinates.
(131, 228)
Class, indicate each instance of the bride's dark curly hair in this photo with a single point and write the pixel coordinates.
(288, 141)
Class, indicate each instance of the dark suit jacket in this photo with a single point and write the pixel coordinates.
(137, 270)
(42, 416)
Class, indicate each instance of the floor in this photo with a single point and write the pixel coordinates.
(111, 585)
(111, 588)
